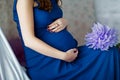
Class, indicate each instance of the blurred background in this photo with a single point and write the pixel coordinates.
(81, 14)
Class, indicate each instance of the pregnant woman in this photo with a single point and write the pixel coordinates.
(50, 50)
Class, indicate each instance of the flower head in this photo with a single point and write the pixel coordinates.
(102, 37)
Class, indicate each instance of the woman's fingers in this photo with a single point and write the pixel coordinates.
(75, 50)
(52, 26)
(56, 28)
(57, 25)
(55, 22)
(71, 55)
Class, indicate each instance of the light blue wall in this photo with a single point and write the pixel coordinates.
(108, 13)
(80, 14)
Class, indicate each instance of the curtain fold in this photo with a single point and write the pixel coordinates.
(10, 69)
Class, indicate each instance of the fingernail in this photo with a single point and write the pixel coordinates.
(75, 51)
(48, 26)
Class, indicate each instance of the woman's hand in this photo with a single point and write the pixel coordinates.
(58, 25)
(71, 55)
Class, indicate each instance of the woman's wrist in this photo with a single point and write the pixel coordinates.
(61, 55)
(66, 23)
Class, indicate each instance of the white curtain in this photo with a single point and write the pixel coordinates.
(10, 69)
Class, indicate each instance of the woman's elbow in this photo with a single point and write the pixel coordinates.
(28, 42)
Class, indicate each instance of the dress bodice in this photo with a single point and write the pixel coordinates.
(42, 19)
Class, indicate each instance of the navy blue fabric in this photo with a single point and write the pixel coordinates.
(89, 65)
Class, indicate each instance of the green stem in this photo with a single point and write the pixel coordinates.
(118, 45)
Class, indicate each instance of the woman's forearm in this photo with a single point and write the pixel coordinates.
(43, 48)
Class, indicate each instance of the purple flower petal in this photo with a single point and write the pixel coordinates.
(102, 37)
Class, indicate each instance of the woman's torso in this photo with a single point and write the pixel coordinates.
(62, 40)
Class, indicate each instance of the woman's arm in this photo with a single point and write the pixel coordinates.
(25, 14)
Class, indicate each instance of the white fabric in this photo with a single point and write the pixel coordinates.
(10, 69)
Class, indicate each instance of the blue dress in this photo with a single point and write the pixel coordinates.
(89, 65)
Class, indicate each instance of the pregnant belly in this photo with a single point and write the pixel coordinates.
(62, 40)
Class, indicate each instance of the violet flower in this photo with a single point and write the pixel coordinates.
(102, 37)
